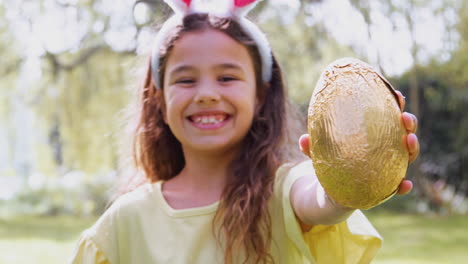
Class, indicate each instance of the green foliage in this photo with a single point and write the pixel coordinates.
(442, 121)
(60, 228)
(303, 51)
(72, 194)
(8, 68)
(90, 99)
(79, 97)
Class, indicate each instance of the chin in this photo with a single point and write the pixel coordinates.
(215, 147)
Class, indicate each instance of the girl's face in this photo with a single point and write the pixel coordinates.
(209, 91)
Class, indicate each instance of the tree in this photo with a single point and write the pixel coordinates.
(80, 86)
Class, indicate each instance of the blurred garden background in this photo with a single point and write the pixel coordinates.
(69, 69)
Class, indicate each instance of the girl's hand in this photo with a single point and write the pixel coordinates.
(412, 144)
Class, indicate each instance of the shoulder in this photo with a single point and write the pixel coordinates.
(286, 176)
(284, 220)
(288, 173)
(112, 230)
(124, 207)
(132, 202)
(138, 196)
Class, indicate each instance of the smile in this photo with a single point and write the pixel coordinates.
(208, 119)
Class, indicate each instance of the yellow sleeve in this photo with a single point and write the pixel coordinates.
(354, 241)
(87, 252)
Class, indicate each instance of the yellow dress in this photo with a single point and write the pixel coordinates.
(141, 228)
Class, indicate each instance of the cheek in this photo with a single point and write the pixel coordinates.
(170, 112)
(176, 103)
(252, 107)
(170, 107)
(252, 102)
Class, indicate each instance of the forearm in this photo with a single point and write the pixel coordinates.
(310, 202)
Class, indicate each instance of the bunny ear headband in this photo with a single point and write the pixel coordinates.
(235, 9)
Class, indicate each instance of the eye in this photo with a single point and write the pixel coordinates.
(185, 81)
(227, 79)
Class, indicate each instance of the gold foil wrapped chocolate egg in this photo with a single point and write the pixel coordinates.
(356, 135)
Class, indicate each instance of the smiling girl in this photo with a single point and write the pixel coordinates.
(212, 140)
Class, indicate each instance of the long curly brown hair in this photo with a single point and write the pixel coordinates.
(243, 212)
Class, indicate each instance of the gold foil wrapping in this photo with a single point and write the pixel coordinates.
(357, 138)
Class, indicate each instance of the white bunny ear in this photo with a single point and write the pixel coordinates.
(179, 6)
(235, 9)
(221, 8)
(242, 7)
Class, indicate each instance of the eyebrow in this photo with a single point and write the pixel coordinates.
(229, 66)
(181, 68)
(223, 66)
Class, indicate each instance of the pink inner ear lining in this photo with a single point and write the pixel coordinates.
(242, 3)
(187, 2)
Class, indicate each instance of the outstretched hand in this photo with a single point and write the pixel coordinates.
(412, 144)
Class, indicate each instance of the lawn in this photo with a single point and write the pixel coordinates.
(39, 240)
(416, 239)
(409, 239)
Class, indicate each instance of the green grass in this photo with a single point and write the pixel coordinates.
(409, 239)
(417, 239)
(37, 240)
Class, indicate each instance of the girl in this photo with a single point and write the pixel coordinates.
(212, 141)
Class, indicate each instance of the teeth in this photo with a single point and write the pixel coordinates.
(208, 119)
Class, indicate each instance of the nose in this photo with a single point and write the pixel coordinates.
(207, 93)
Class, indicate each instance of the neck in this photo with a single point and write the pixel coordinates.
(204, 173)
(201, 181)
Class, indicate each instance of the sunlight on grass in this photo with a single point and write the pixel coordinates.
(48, 240)
(416, 239)
(35, 251)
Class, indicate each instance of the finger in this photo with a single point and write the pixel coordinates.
(410, 121)
(401, 100)
(405, 187)
(304, 144)
(413, 146)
